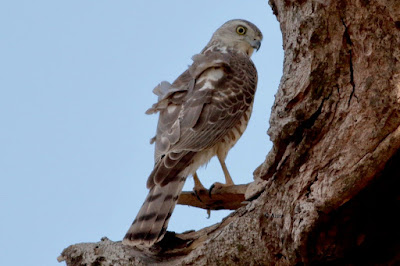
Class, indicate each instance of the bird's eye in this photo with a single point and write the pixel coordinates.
(241, 30)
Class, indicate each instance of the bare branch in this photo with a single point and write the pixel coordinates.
(228, 198)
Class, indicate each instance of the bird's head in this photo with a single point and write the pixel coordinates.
(238, 34)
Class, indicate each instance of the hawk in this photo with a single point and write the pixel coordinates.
(202, 113)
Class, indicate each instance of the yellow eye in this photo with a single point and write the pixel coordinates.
(241, 30)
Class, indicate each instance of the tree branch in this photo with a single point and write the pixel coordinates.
(228, 198)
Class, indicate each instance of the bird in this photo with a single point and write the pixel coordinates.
(202, 114)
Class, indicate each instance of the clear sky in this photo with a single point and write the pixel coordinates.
(75, 80)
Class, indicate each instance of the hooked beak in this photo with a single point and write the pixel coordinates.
(256, 44)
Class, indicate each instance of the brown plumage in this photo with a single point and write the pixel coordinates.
(202, 114)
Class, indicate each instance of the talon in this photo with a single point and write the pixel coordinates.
(210, 190)
(197, 195)
(198, 187)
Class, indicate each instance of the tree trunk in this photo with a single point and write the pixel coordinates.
(328, 190)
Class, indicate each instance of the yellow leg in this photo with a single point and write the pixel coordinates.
(197, 184)
(228, 178)
(198, 188)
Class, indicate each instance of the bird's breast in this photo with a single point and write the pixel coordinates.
(230, 139)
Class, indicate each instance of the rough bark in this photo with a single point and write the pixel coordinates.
(328, 190)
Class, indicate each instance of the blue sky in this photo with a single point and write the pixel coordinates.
(75, 80)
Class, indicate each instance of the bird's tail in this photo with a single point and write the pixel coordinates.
(152, 220)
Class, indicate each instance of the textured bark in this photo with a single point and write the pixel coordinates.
(328, 190)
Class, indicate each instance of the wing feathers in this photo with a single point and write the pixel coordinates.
(196, 111)
(169, 167)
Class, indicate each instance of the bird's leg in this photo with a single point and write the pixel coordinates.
(197, 184)
(228, 178)
(198, 188)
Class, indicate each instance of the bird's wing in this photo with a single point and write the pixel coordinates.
(213, 94)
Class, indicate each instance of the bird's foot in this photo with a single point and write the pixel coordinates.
(199, 192)
(217, 186)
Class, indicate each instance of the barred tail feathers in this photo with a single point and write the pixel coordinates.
(152, 220)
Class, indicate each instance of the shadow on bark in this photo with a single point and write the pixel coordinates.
(365, 230)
